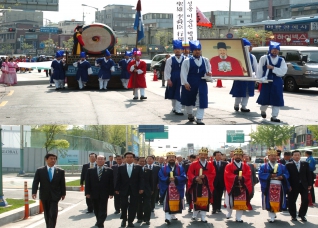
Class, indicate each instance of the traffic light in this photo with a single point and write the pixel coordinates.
(11, 29)
(31, 30)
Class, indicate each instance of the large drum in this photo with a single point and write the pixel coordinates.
(97, 38)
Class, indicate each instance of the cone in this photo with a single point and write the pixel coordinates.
(310, 204)
(82, 188)
(40, 207)
(316, 182)
(219, 83)
(259, 87)
(155, 77)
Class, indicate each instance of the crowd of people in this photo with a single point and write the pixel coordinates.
(137, 184)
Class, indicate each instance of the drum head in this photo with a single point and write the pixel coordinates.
(97, 38)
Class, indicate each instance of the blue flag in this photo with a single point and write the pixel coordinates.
(138, 26)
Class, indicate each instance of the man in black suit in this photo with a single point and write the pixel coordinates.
(218, 183)
(91, 164)
(192, 157)
(52, 188)
(300, 182)
(287, 158)
(111, 161)
(155, 170)
(119, 160)
(99, 187)
(144, 200)
(130, 184)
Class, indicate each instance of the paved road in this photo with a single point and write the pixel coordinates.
(72, 214)
(32, 101)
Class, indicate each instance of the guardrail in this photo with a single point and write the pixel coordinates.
(71, 168)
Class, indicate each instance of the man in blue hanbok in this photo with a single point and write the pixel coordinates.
(84, 69)
(243, 90)
(172, 76)
(271, 67)
(194, 87)
(274, 185)
(172, 180)
(125, 74)
(57, 69)
(107, 66)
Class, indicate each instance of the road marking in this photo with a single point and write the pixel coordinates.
(60, 213)
(3, 103)
(10, 93)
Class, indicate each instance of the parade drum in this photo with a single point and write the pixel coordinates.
(97, 38)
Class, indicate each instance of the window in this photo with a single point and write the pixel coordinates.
(240, 16)
(278, 12)
(292, 56)
(241, 21)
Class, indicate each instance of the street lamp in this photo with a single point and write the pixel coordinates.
(90, 7)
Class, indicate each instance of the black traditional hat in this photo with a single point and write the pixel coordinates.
(221, 45)
(78, 27)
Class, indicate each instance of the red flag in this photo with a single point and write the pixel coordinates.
(202, 20)
(138, 7)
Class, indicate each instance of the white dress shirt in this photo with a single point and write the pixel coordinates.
(186, 66)
(167, 71)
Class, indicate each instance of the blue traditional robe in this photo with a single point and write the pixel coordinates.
(264, 175)
(272, 92)
(58, 71)
(174, 91)
(82, 71)
(240, 88)
(164, 181)
(123, 66)
(105, 72)
(188, 98)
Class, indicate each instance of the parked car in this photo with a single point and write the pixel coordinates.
(258, 162)
(156, 59)
(157, 67)
(302, 63)
(148, 62)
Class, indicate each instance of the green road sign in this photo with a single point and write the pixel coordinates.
(234, 136)
(156, 135)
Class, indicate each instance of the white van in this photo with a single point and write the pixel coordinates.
(156, 59)
(302, 62)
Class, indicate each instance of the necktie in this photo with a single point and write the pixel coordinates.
(100, 173)
(218, 164)
(298, 166)
(92, 165)
(110, 164)
(129, 170)
(50, 174)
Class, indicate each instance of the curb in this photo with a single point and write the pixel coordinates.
(73, 188)
(18, 214)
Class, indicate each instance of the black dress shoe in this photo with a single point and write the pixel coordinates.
(241, 221)
(189, 211)
(204, 221)
(236, 108)
(294, 219)
(303, 218)
(147, 223)
(131, 225)
(213, 212)
(218, 210)
(139, 221)
(167, 221)
(123, 223)
(199, 122)
(117, 212)
(179, 113)
(274, 119)
(88, 212)
(263, 114)
(143, 98)
(245, 110)
(135, 98)
(175, 219)
(191, 118)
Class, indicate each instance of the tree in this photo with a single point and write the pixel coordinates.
(69, 43)
(314, 130)
(49, 46)
(257, 37)
(26, 46)
(165, 38)
(51, 143)
(271, 135)
(6, 48)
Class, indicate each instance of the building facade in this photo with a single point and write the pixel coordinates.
(158, 20)
(118, 17)
(221, 18)
(280, 9)
(69, 26)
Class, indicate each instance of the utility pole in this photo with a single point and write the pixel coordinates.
(3, 202)
(21, 172)
(229, 25)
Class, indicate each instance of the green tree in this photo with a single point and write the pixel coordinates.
(26, 46)
(69, 43)
(271, 135)
(165, 37)
(255, 36)
(6, 48)
(51, 143)
(314, 130)
(77, 131)
(49, 46)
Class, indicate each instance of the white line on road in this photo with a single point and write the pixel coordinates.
(42, 220)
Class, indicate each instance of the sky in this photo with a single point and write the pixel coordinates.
(73, 9)
(211, 136)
